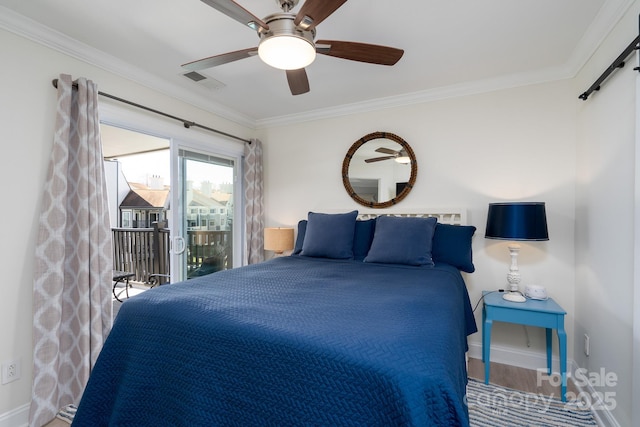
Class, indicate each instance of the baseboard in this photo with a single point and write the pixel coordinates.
(537, 360)
(604, 417)
(18, 417)
(520, 358)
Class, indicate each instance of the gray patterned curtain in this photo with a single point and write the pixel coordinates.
(254, 203)
(73, 263)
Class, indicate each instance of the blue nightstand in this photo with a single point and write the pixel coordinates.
(545, 314)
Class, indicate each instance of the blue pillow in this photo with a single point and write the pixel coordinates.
(329, 235)
(402, 240)
(363, 238)
(452, 244)
(302, 228)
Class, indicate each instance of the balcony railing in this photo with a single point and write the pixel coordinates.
(145, 252)
(208, 251)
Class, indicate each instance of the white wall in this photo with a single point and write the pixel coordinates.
(516, 144)
(604, 217)
(27, 116)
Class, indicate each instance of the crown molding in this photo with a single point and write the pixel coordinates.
(608, 16)
(606, 19)
(421, 97)
(34, 31)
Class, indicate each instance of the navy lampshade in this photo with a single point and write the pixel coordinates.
(517, 221)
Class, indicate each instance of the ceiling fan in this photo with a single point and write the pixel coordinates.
(287, 40)
(400, 156)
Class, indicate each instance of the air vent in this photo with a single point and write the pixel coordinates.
(195, 76)
(203, 80)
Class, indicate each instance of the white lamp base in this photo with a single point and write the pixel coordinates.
(514, 297)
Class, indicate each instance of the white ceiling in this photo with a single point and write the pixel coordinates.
(451, 47)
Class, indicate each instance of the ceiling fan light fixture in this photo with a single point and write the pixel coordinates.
(287, 52)
(284, 46)
(287, 41)
(403, 160)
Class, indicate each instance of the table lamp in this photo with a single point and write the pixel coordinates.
(516, 221)
(278, 239)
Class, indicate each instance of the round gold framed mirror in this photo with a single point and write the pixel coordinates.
(379, 170)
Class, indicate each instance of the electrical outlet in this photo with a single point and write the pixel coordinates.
(11, 371)
(586, 344)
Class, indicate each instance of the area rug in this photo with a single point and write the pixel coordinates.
(67, 413)
(491, 405)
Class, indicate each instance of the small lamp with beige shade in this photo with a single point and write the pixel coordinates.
(278, 239)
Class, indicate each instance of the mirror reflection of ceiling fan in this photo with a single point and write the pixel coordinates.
(287, 40)
(399, 156)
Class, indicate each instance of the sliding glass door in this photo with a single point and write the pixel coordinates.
(205, 227)
(191, 197)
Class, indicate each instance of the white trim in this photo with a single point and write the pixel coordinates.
(420, 97)
(238, 231)
(34, 31)
(609, 15)
(604, 418)
(635, 355)
(18, 417)
(190, 139)
(520, 358)
(536, 360)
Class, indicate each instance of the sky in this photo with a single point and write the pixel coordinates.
(137, 167)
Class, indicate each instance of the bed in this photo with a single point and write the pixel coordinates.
(363, 337)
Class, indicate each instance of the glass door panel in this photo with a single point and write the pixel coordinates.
(206, 214)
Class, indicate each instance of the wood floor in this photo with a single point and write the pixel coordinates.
(56, 423)
(527, 380)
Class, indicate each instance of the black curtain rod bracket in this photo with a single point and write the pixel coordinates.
(186, 123)
(618, 63)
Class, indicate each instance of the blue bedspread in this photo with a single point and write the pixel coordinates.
(293, 341)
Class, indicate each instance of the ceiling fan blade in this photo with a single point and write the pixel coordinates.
(237, 12)
(316, 11)
(386, 150)
(363, 52)
(298, 81)
(214, 61)
(377, 159)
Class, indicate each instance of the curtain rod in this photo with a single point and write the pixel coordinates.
(618, 63)
(186, 123)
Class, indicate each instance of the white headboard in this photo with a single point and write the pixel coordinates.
(454, 216)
